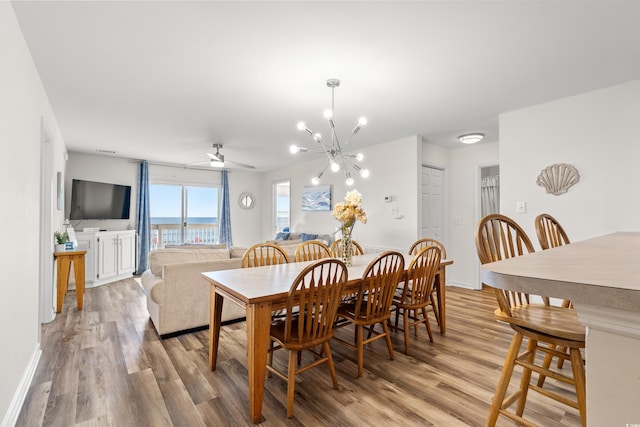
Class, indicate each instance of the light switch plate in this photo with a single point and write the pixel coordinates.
(521, 207)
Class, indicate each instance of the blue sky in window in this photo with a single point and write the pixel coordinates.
(165, 201)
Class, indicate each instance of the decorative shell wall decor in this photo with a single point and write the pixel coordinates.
(558, 178)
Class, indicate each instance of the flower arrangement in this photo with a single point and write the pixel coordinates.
(349, 211)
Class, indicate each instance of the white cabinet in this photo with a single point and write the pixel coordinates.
(111, 255)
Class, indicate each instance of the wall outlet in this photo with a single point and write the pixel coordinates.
(521, 207)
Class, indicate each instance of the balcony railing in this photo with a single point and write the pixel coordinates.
(171, 234)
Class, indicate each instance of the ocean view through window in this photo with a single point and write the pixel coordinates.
(183, 214)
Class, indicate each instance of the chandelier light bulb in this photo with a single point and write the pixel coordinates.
(315, 180)
(362, 121)
(328, 114)
(364, 173)
(301, 126)
(359, 157)
(349, 180)
(334, 167)
(294, 149)
(317, 137)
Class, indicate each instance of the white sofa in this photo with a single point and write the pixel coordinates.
(177, 295)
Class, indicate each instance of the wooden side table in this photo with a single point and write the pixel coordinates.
(65, 259)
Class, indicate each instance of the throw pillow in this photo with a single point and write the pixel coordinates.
(304, 236)
(282, 236)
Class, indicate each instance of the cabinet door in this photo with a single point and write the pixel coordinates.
(87, 242)
(107, 256)
(127, 253)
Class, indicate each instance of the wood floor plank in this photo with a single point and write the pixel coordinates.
(91, 399)
(181, 407)
(149, 406)
(34, 408)
(106, 366)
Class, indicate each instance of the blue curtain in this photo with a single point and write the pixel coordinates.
(225, 215)
(143, 219)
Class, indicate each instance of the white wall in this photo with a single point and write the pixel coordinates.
(23, 104)
(464, 210)
(598, 132)
(394, 171)
(245, 224)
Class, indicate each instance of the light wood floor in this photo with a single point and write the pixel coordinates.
(106, 366)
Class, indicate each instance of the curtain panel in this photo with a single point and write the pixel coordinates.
(490, 195)
(225, 214)
(143, 218)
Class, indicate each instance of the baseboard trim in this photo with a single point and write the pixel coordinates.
(463, 285)
(11, 417)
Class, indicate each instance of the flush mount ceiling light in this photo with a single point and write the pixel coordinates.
(471, 138)
(337, 159)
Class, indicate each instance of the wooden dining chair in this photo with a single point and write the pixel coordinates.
(264, 254)
(336, 248)
(416, 294)
(497, 238)
(413, 250)
(311, 250)
(550, 233)
(315, 295)
(373, 303)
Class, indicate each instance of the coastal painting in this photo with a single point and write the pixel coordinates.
(316, 198)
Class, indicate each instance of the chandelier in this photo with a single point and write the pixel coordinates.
(337, 160)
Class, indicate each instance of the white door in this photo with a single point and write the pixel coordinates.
(107, 256)
(432, 203)
(126, 253)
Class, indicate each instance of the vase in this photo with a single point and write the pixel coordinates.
(346, 248)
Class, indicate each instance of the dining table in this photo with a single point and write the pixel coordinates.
(260, 291)
(601, 276)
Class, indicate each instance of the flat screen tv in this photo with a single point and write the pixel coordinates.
(99, 200)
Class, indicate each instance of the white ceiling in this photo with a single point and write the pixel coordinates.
(163, 81)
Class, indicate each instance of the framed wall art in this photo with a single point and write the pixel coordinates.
(316, 198)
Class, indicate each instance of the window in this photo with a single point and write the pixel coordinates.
(183, 214)
(282, 204)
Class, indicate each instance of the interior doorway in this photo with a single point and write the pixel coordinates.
(281, 205)
(488, 199)
(489, 190)
(433, 192)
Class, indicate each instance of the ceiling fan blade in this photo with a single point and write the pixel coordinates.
(242, 165)
(199, 163)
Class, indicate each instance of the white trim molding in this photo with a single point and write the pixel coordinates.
(20, 395)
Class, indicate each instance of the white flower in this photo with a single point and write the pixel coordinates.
(353, 198)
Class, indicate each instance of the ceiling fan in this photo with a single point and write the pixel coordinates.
(217, 160)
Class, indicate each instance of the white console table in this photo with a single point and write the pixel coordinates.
(111, 255)
(602, 278)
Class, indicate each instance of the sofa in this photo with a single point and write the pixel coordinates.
(177, 295)
(290, 241)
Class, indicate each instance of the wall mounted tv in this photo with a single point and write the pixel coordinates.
(99, 200)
